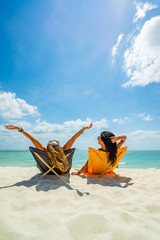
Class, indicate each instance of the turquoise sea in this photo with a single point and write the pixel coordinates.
(132, 159)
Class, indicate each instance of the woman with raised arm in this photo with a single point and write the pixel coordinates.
(53, 149)
(109, 143)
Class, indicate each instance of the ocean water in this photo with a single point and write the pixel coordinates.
(132, 159)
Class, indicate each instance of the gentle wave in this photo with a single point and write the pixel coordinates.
(132, 159)
(122, 163)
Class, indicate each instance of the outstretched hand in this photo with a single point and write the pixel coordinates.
(12, 127)
(88, 127)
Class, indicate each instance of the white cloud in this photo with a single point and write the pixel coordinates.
(2, 128)
(142, 8)
(45, 131)
(24, 124)
(102, 124)
(143, 139)
(68, 127)
(120, 121)
(145, 118)
(143, 134)
(15, 108)
(115, 47)
(142, 59)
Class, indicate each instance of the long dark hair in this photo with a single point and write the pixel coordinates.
(109, 146)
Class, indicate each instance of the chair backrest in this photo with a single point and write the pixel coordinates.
(43, 168)
(98, 158)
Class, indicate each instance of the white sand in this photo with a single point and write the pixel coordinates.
(101, 209)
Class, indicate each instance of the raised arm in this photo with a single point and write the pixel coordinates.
(70, 142)
(122, 139)
(36, 143)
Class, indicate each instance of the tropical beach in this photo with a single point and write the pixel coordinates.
(81, 75)
(126, 207)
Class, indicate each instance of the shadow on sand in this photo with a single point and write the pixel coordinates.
(49, 182)
(110, 181)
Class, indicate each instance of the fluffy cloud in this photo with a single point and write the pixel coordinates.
(142, 8)
(116, 120)
(142, 134)
(145, 118)
(2, 128)
(144, 139)
(102, 124)
(115, 47)
(15, 108)
(24, 124)
(68, 127)
(45, 131)
(142, 59)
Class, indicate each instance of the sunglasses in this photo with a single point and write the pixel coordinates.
(98, 137)
(54, 141)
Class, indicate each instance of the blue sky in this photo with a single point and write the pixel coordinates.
(64, 64)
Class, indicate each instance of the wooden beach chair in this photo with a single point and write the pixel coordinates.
(43, 162)
(98, 161)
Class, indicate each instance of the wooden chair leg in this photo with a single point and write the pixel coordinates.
(49, 168)
(107, 166)
(46, 173)
(102, 174)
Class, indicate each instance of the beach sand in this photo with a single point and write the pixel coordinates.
(83, 208)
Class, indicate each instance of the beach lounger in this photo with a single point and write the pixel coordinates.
(43, 162)
(98, 161)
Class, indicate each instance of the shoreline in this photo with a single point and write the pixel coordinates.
(120, 168)
(132, 159)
